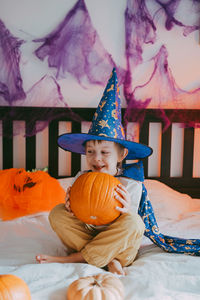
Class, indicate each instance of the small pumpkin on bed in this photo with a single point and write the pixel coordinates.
(92, 198)
(13, 288)
(101, 286)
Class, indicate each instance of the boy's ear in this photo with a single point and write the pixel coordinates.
(123, 154)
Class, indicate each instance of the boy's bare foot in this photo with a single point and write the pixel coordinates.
(42, 258)
(115, 267)
(72, 258)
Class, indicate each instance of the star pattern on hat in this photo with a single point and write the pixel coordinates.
(101, 105)
(111, 88)
(104, 123)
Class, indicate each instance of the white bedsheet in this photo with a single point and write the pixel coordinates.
(155, 275)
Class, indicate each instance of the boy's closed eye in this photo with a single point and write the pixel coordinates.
(89, 151)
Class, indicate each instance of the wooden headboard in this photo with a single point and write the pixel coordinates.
(185, 182)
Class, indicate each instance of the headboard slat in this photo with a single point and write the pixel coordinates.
(188, 152)
(76, 158)
(53, 148)
(166, 152)
(7, 127)
(30, 148)
(144, 139)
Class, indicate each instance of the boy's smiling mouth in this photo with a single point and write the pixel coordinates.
(98, 168)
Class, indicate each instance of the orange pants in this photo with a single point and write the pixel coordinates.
(120, 240)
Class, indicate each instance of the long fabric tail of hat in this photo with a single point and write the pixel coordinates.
(167, 243)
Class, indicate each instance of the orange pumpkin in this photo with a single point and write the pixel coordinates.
(13, 288)
(23, 193)
(92, 198)
(98, 287)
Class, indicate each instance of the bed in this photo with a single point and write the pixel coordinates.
(173, 184)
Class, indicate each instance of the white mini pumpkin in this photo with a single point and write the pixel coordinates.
(99, 287)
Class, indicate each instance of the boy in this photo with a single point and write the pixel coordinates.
(114, 245)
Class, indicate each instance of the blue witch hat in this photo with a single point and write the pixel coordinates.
(106, 125)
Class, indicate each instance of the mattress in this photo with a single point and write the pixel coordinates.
(155, 274)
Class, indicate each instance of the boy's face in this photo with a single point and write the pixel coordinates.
(104, 156)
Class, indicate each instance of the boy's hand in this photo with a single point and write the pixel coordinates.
(67, 202)
(123, 196)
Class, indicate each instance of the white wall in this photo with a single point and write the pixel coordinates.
(31, 19)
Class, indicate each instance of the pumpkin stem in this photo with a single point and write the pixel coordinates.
(97, 282)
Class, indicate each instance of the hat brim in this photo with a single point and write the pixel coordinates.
(74, 142)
